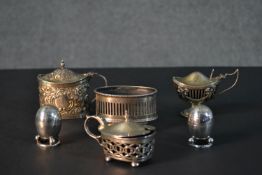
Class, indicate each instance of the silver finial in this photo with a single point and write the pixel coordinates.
(62, 64)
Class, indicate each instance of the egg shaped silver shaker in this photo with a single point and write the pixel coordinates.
(48, 125)
(200, 123)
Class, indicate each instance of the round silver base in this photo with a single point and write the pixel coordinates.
(201, 143)
(46, 143)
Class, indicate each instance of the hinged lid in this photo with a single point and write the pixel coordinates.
(62, 75)
(127, 128)
(195, 79)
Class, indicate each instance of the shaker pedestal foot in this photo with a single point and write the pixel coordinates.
(201, 143)
(46, 143)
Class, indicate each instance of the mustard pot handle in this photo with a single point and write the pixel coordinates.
(91, 134)
(224, 76)
(92, 74)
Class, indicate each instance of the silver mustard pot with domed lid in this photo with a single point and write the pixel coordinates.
(126, 141)
(66, 90)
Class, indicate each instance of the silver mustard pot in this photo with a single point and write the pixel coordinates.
(66, 90)
(125, 141)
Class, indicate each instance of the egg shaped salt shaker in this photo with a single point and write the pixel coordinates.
(200, 123)
(48, 125)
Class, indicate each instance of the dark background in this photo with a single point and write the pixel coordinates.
(237, 129)
(130, 33)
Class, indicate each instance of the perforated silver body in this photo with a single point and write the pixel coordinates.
(113, 101)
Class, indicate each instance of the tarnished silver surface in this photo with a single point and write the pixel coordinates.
(66, 90)
(197, 88)
(200, 123)
(48, 125)
(139, 101)
(125, 141)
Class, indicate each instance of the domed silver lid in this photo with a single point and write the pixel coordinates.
(62, 75)
(128, 128)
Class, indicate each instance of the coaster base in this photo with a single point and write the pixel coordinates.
(201, 143)
(46, 143)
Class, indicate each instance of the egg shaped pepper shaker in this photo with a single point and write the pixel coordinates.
(200, 123)
(48, 125)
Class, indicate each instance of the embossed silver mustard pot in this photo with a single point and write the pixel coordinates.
(126, 141)
(66, 90)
